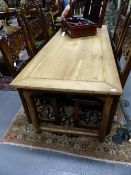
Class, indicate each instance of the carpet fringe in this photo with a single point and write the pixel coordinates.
(66, 153)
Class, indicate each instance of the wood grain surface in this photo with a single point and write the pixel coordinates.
(84, 65)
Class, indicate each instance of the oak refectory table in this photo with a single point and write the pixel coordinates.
(83, 66)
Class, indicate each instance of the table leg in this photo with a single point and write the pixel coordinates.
(32, 110)
(112, 113)
(25, 106)
(105, 117)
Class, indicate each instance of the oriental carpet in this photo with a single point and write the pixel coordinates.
(21, 133)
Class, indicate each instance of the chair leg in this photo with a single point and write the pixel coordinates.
(25, 106)
(105, 117)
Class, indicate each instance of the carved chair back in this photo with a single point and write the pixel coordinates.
(91, 9)
(60, 7)
(34, 25)
(121, 22)
(15, 51)
(124, 52)
(49, 23)
(17, 54)
(124, 7)
(30, 4)
(123, 61)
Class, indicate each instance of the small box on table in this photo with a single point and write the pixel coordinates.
(78, 27)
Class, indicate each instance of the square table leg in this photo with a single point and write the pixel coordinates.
(112, 113)
(105, 117)
(32, 110)
(25, 106)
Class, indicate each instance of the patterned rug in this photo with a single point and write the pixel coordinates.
(4, 83)
(21, 133)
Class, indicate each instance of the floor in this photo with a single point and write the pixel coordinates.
(18, 161)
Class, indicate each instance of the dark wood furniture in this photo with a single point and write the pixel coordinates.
(78, 27)
(16, 54)
(11, 47)
(121, 23)
(34, 25)
(7, 15)
(11, 21)
(125, 51)
(48, 20)
(93, 10)
(123, 60)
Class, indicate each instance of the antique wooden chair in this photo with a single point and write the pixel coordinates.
(123, 61)
(7, 25)
(11, 48)
(124, 52)
(16, 53)
(48, 22)
(121, 22)
(91, 9)
(35, 27)
(122, 26)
